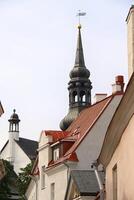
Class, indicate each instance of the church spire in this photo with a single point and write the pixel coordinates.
(79, 86)
(79, 59)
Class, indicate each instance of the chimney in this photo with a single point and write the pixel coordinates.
(99, 97)
(130, 40)
(118, 86)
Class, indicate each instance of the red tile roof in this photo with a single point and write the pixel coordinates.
(57, 135)
(86, 120)
(80, 128)
(70, 157)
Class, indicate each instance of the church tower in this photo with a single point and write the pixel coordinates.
(13, 134)
(79, 86)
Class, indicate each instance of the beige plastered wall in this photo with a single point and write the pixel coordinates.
(130, 42)
(124, 158)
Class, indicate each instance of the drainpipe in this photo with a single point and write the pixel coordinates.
(100, 184)
(36, 185)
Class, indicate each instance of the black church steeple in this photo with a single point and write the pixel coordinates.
(79, 86)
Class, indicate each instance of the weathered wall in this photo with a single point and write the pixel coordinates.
(130, 41)
(124, 158)
(90, 147)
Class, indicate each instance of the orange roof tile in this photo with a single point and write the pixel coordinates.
(86, 120)
(70, 157)
(57, 135)
(80, 127)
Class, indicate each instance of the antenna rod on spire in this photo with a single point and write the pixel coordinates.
(79, 14)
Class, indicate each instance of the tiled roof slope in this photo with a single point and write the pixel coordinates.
(89, 115)
(82, 125)
(28, 146)
(57, 135)
(86, 120)
(86, 182)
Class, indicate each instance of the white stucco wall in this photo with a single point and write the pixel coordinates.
(5, 153)
(58, 176)
(20, 158)
(31, 191)
(88, 151)
(124, 158)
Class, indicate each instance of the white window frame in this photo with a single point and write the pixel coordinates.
(56, 154)
(52, 191)
(43, 183)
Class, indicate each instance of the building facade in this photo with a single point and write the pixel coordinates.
(76, 147)
(18, 151)
(117, 153)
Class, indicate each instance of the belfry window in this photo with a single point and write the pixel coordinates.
(83, 96)
(75, 97)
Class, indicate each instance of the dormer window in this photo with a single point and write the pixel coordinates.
(56, 154)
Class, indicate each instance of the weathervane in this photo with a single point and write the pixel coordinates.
(79, 14)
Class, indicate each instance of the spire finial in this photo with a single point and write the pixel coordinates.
(14, 110)
(79, 26)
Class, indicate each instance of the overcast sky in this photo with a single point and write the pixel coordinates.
(37, 51)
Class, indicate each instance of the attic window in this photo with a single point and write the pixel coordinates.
(56, 154)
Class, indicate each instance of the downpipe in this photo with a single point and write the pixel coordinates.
(100, 184)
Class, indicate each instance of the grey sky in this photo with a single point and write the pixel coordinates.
(37, 50)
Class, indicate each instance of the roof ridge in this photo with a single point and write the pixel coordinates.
(27, 139)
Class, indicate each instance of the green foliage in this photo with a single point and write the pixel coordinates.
(24, 178)
(12, 181)
(6, 181)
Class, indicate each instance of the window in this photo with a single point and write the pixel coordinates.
(43, 177)
(56, 154)
(75, 97)
(52, 191)
(115, 182)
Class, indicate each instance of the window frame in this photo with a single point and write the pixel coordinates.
(56, 153)
(43, 178)
(52, 195)
(115, 182)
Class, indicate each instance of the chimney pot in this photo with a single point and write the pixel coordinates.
(118, 86)
(119, 79)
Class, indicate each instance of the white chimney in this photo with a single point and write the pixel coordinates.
(118, 86)
(99, 97)
(130, 40)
